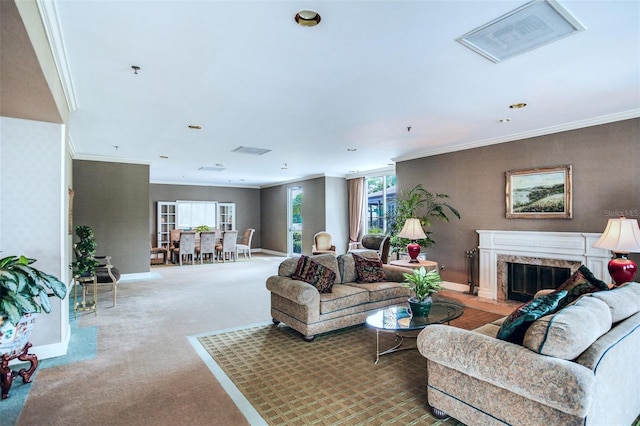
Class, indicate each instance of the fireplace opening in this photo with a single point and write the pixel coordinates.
(524, 281)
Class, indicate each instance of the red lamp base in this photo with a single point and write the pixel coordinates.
(414, 250)
(622, 269)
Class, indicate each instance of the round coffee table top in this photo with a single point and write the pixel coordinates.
(395, 318)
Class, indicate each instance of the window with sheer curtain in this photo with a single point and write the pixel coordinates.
(381, 202)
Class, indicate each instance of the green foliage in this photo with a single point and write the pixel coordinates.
(85, 250)
(24, 289)
(203, 228)
(423, 283)
(422, 204)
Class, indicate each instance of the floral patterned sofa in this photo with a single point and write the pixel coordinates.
(311, 309)
(576, 366)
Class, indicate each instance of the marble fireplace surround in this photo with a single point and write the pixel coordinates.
(559, 249)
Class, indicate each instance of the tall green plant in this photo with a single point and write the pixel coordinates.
(85, 250)
(424, 205)
(24, 289)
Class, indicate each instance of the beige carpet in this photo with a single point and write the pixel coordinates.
(146, 371)
(330, 381)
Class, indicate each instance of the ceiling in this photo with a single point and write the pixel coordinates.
(374, 83)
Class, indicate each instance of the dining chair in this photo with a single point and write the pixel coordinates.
(187, 246)
(207, 245)
(227, 247)
(245, 246)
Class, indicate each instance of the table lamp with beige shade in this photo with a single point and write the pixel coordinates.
(621, 236)
(412, 230)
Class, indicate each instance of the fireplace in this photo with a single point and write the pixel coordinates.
(524, 280)
(566, 250)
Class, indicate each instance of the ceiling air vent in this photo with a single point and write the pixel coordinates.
(526, 28)
(216, 168)
(250, 150)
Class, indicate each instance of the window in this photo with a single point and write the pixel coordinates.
(381, 203)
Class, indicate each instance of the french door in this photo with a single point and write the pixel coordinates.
(294, 240)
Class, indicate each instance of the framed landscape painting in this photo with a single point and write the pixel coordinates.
(539, 193)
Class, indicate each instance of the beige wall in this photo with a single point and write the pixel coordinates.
(113, 198)
(324, 207)
(606, 179)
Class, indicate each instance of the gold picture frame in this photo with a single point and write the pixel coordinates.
(543, 193)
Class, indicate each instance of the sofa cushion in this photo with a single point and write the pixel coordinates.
(347, 266)
(315, 274)
(383, 291)
(369, 270)
(581, 282)
(570, 331)
(342, 297)
(623, 301)
(515, 325)
(288, 266)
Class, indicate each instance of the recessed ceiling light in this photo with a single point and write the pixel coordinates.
(284, 167)
(351, 149)
(195, 127)
(307, 18)
(518, 106)
(504, 120)
(164, 157)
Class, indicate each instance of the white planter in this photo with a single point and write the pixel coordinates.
(13, 338)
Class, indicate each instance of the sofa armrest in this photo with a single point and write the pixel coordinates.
(395, 273)
(294, 290)
(564, 385)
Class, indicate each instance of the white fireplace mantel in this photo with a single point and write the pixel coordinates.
(569, 246)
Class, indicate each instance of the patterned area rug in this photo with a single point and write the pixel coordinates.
(330, 381)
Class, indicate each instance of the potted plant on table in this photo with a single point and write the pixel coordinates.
(85, 251)
(423, 284)
(24, 292)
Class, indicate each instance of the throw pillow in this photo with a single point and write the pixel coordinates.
(515, 325)
(369, 270)
(581, 282)
(315, 274)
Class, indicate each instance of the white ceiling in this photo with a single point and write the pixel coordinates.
(250, 76)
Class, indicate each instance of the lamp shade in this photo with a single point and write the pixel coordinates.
(622, 235)
(412, 230)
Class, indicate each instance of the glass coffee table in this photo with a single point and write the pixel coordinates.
(397, 319)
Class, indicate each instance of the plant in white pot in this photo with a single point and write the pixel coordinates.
(423, 284)
(24, 292)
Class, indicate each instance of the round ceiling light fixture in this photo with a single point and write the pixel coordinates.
(307, 18)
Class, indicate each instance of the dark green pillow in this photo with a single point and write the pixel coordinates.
(581, 282)
(516, 324)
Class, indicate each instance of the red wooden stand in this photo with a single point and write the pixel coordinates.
(7, 374)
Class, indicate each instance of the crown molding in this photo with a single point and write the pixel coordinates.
(605, 119)
(49, 16)
(106, 159)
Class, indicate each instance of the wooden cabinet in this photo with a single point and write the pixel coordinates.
(227, 216)
(166, 222)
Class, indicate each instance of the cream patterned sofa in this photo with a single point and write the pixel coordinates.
(578, 366)
(302, 307)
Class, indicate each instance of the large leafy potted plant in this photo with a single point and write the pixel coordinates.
(423, 284)
(421, 204)
(24, 292)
